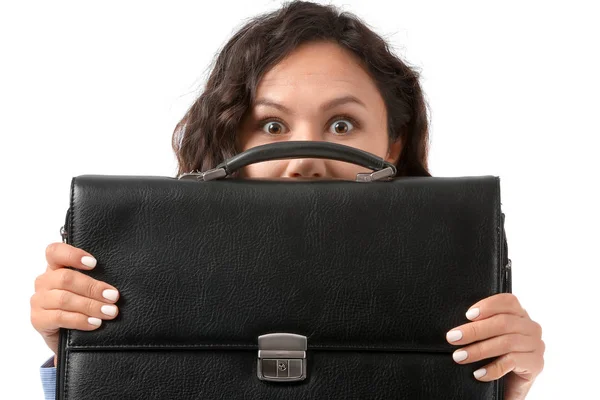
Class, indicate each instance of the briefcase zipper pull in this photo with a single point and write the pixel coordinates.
(508, 276)
(64, 230)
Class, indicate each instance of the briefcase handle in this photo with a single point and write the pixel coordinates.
(300, 149)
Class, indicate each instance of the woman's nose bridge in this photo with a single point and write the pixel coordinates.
(306, 167)
(307, 131)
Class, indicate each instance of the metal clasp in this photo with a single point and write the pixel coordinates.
(281, 357)
(209, 175)
(376, 176)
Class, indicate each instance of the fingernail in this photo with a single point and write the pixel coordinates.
(453, 336)
(109, 310)
(88, 261)
(479, 373)
(110, 294)
(95, 321)
(472, 313)
(459, 356)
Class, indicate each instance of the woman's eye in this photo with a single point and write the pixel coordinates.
(338, 127)
(273, 128)
(341, 127)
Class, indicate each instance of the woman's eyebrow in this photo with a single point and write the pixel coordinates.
(324, 107)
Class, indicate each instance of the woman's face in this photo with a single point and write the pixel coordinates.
(319, 92)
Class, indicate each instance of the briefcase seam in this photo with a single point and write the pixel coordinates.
(500, 268)
(66, 369)
(255, 347)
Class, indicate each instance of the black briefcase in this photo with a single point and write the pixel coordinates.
(284, 289)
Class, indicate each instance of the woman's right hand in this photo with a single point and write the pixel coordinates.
(65, 298)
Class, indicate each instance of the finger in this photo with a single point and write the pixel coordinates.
(81, 284)
(59, 255)
(52, 320)
(57, 299)
(503, 303)
(495, 325)
(527, 365)
(497, 346)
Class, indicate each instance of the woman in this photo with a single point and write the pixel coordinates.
(304, 72)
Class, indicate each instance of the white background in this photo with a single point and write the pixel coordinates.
(90, 88)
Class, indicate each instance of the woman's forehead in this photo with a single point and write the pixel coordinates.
(318, 60)
(316, 69)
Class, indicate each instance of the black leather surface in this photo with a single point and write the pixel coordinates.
(232, 375)
(374, 274)
(304, 149)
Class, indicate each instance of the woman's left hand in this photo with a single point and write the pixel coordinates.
(503, 329)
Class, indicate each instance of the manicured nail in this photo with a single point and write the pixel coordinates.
(460, 355)
(472, 313)
(453, 336)
(479, 373)
(95, 321)
(88, 261)
(110, 294)
(109, 310)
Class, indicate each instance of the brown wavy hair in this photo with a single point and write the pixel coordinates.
(206, 135)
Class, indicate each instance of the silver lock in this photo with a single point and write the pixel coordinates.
(281, 357)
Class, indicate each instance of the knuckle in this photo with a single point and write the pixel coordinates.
(503, 322)
(502, 370)
(59, 317)
(51, 250)
(90, 307)
(65, 278)
(537, 329)
(513, 302)
(477, 352)
(91, 288)
(507, 342)
(33, 300)
(38, 283)
(63, 299)
(34, 319)
(473, 330)
(542, 347)
(505, 365)
(71, 256)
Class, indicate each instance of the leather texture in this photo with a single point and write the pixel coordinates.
(304, 149)
(373, 274)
